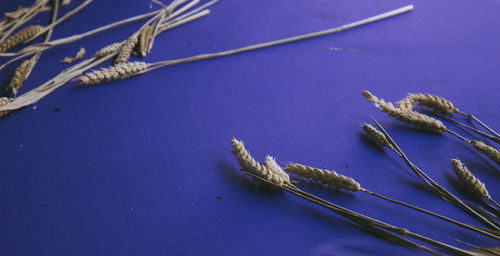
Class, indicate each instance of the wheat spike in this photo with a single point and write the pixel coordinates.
(20, 75)
(145, 37)
(119, 71)
(107, 50)
(330, 178)
(278, 173)
(19, 37)
(405, 103)
(250, 165)
(126, 49)
(408, 116)
(434, 102)
(468, 179)
(489, 151)
(376, 135)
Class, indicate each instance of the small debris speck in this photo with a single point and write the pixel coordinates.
(20, 146)
(218, 197)
(131, 208)
(57, 109)
(34, 107)
(346, 165)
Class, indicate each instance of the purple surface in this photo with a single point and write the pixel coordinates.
(142, 166)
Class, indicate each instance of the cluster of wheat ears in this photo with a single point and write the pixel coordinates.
(271, 173)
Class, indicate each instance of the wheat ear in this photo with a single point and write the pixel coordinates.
(144, 39)
(376, 135)
(119, 71)
(19, 37)
(468, 179)
(433, 102)
(126, 49)
(278, 173)
(21, 73)
(330, 178)
(107, 50)
(408, 116)
(250, 165)
(4, 101)
(488, 150)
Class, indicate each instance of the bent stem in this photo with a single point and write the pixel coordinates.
(445, 194)
(360, 218)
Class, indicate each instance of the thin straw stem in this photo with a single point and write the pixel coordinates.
(493, 138)
(60, 20)
(460, 224)
(457, 135)
(32, 12)
(482, 124)
(346, 212)
(284, 41)
(445, 194)
(494, 202)
(55, 8)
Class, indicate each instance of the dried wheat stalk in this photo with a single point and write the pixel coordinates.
(468, 179)
(250, 165)
(411, 117)
(433, 102)
(278, 173)
(376, 135)
(19, 37)
(107, 50)
(488, 150)
(119, 71)
(126, 49)
(21, 73)
(330, 178)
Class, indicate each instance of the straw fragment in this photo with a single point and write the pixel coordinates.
(468, 179)
(78, 56)
(144, 39)
(330, 178)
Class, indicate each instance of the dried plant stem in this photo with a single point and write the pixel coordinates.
(283, 41)
(364, 220)
(458, 223)
(46, 45)
(445, 194)
(60, 20)
(481, 123)
(495, 139)
(494, 202)
(28, 15)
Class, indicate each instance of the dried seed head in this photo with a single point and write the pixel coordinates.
(468, 179)
(126, 49)
(112, 48)
(119, 71)
(405, 103)
(489, 151)
(278, 173)
(433, 102)
(145, 38)
(330, 178)
(19, 37)
(376, 135)
(420, 120)
(250, 165)
(20, 75)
